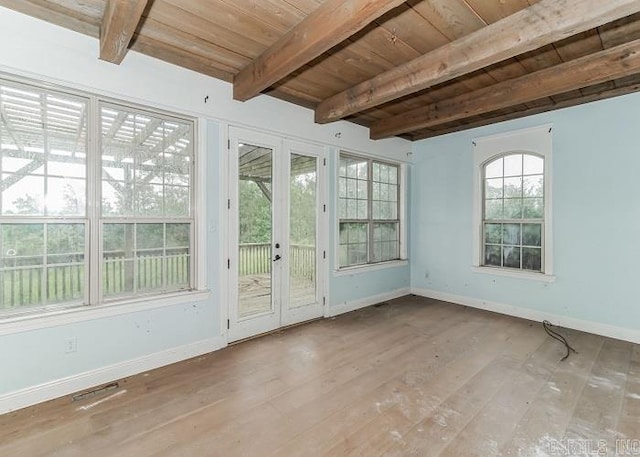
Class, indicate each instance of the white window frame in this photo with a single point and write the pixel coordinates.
(95, 163)
(94, 305)
(402, 211)
(536, 140)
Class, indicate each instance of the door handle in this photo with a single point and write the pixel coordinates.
(277, 257)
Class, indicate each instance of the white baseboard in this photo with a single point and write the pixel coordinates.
(597, 328)
(364, 302)
(65, 386)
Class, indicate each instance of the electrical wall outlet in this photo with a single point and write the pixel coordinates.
(70, 345)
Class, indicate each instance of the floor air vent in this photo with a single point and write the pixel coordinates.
(98, 391)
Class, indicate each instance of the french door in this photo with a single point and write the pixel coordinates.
(277, 232)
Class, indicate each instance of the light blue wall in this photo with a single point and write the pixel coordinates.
(596, 216)
(353, 288)
(34, 357)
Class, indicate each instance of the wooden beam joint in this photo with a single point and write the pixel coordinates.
(119, 23)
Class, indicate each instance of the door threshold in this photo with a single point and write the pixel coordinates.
(277, 330)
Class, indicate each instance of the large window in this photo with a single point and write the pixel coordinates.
(368, 211)
(125, 199)
(43, 165)
(514, 211)
(146, 202)
(513, 203)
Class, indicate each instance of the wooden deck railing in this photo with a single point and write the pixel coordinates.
(117, 273)
(25, 285)
(23, 282)
(256, 259)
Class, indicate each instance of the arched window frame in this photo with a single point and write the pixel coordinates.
(527, 252)
(535, 141)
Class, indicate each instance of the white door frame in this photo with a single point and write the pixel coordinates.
(238, 328)
(242, 328)
(295, 315)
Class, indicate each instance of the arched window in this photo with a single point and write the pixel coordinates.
(513, 225)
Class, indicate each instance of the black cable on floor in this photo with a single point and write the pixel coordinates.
(556, 336)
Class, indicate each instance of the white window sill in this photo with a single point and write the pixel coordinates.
(360, 269)
(543, 277)
(40, 318)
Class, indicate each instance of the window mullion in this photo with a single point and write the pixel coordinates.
(521, 244)
(45, 150)
(165, 261)
(45, 271)
(370, 255)
(134, 257)
(93, 247)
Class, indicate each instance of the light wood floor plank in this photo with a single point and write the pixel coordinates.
(413, 377)
(174, 396)
(373, 401)
(313, 402)
(551, 410)
(598, 410)
(154, 426)
(629, 421)
(432, 434)
(494, 423)
(419, 391)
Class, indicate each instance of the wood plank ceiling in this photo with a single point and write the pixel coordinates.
(417, 68)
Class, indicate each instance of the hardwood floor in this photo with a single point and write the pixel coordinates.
(413, 377)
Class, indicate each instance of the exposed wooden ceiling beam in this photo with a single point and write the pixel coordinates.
(121, 18)
(545, 22)
(333, 22)
(596, 68)
(626, 87)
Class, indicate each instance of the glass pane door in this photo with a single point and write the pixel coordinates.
(255, 197)
(302, 232)
(277, 232)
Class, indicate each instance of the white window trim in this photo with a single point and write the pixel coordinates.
(37, 317)
(200, 204)
(539, 141)
(367, 267)
(40, 318)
